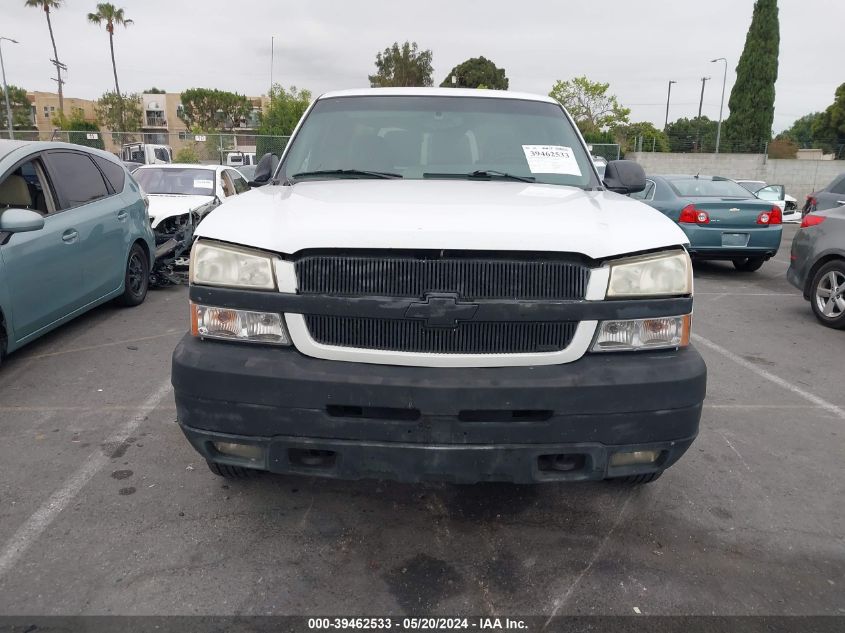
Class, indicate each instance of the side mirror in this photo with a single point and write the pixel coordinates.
(624, 176)
(264, 170)
(771, 193)
(20, 221)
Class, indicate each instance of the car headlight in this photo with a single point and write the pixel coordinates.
(214, 264)
(244, 326)
(658, 274)
(643, 334)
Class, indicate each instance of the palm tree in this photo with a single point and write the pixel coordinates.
(47, 5)
(111, 15)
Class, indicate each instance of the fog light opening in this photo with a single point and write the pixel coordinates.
(562, 462)
(244, 451)
(634, 458)
(312, 458)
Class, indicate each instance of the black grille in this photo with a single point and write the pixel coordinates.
(414, 277)
(468, 338)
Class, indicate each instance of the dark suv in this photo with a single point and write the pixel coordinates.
(830, 197)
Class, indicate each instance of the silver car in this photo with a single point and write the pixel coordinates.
(817, 265)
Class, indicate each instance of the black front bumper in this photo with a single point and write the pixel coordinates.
(354, 420)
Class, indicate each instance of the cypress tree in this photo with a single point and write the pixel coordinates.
(752, 101)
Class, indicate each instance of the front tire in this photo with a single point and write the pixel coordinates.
(828, 295)
(136, 278)
(749, 264)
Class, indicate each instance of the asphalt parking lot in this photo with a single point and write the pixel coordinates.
(105, 508)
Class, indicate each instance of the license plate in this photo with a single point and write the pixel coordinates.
(734, 239)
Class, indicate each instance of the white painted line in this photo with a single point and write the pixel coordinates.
(780, 382)
(31, 530)
(598, 551)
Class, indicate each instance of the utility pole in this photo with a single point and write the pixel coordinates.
(668, 96)
(6, 89)
(721, 107)
(272, 59)
(701, 101)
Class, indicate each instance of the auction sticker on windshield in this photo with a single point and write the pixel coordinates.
(551, 159)
(203, 184)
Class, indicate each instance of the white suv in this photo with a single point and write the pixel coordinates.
(435, 284)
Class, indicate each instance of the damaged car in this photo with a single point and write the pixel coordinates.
(179, 197)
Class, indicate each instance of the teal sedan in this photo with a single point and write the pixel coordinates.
(74, 233)
(721, 218)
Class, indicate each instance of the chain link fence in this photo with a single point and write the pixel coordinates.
(608, 151)
(233, 148)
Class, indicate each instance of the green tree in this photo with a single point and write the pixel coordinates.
(476, 72)
(801, 132)
(752, 101)
(589, 105)
(628, 136)
(208, 110)
(402, 66)
(78, 128)
(111, 15)
(47, 5)
(186, 155)
(829, 128)
(120, 113)
(286, 108)
(691, 135)
(154, 91)
(21, 109)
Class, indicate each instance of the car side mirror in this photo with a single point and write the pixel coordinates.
(264, 170)
(771, 193)
(624, 176)
(20, 221)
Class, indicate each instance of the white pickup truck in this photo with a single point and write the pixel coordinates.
(436, 284)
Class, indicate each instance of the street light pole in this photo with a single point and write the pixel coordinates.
(701, 101)
(6, 88)
(272, 59)
(722, 106)
(668, 96)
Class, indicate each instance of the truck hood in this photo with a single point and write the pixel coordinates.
(164, 206)
(440, 214)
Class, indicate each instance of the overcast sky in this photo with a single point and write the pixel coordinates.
(636, 45)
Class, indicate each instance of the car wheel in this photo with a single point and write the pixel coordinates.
(749, 264)
(137, 280)
(828, 294)
(232, 472)
(637, 480)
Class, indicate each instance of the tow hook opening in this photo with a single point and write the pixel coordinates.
(312, 458)
(562, 462)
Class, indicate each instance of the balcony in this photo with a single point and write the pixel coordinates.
(153, 121)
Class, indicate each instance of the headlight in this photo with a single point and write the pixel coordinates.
(215, 264)
(642, 334)
(651, 275)
(244, 326)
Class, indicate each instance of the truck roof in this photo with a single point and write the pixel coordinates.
(437, 92)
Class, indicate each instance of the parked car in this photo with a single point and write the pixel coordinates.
(130, 166)
(146, 153)
(237, 159)
(436, 285)
(830, 197)
(722, 219)
(247, 171)
(817, 264)
(180, 196)
(777, 195)
(74, 233)
(601, 164)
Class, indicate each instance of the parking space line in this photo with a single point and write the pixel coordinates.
(780, 382)
(747, 294)
(598, 552)
(41, 519)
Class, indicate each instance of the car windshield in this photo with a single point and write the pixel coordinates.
(416, 137)
(708, 187)
(752, 185)
(187, 181)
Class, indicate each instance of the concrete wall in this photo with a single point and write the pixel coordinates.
(800, 177)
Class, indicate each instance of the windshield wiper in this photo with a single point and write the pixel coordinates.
(481, 174)
(354, 173)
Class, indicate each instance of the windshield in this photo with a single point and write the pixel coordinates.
(708, 187)
(752, 185)
(438, 137)
(186, 181)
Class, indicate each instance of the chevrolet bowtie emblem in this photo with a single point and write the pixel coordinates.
(734, 209)
(441, 310)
